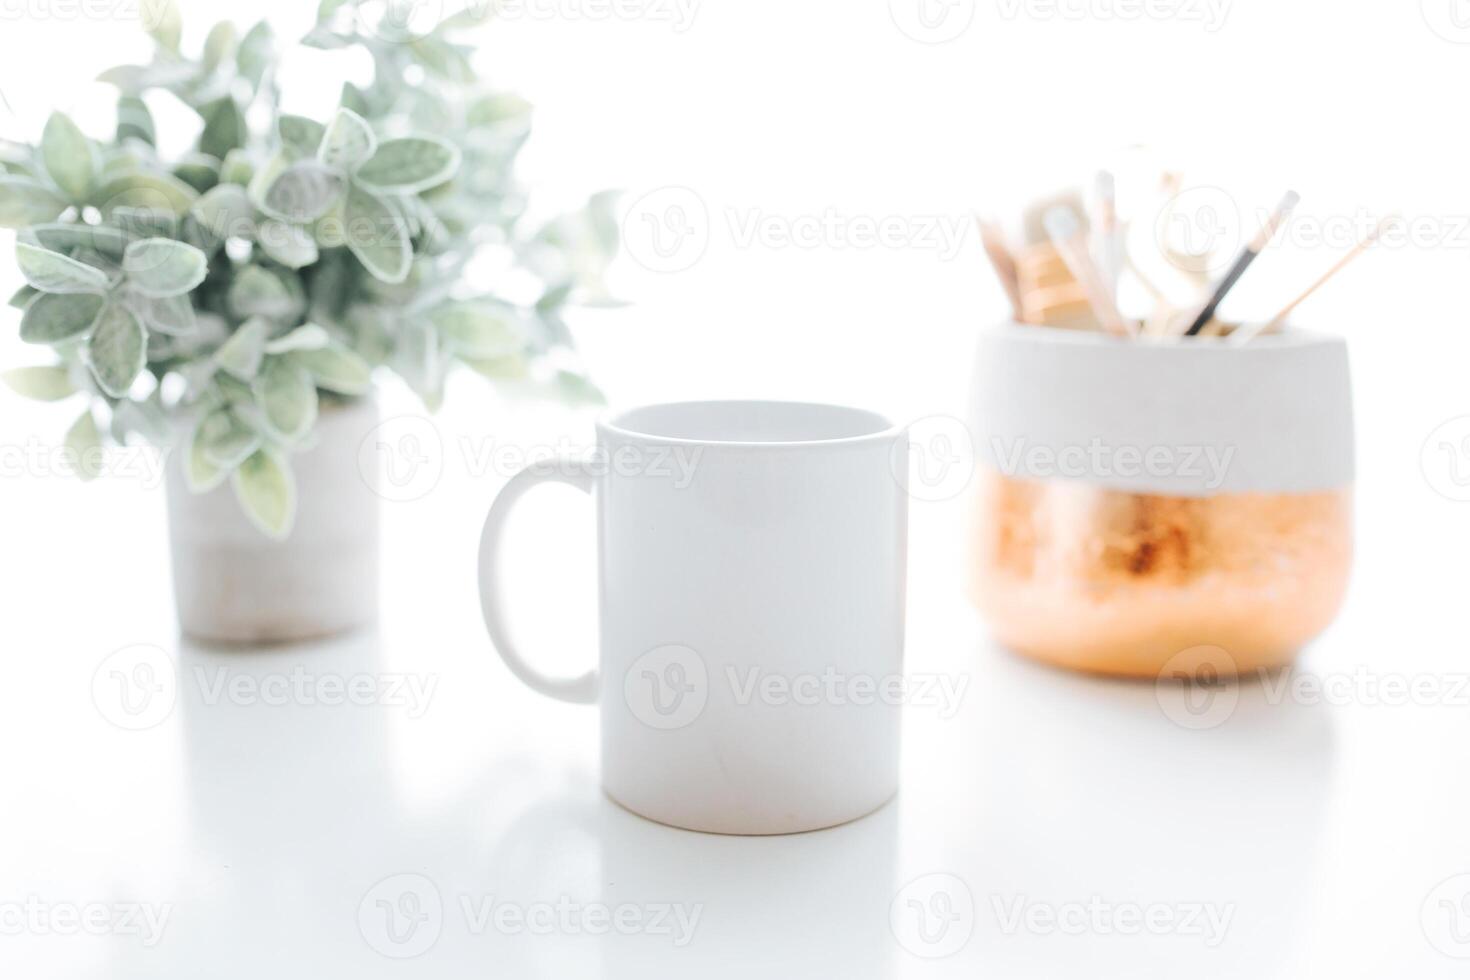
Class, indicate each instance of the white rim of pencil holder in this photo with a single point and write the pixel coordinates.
(1141, 415)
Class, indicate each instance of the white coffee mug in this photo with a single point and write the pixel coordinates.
(751, 563)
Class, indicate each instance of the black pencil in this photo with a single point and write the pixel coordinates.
(1243, 261)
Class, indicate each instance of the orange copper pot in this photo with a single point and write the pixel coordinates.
(1085, 556)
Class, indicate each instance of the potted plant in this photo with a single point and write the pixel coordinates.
(236, 304)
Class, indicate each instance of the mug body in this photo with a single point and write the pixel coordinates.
(1142, 507)
(752, 613)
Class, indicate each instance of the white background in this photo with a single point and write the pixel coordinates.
(1327, 828)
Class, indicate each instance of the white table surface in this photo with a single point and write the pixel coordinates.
(1316, 830)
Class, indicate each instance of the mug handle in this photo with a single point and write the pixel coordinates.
(564, 469)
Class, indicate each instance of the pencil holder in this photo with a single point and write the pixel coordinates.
(1141, 504)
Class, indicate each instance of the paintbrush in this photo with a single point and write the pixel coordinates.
(1245, 333)
(1070, 240)
(1002, 260)
(1109, 233)
(1243, 262)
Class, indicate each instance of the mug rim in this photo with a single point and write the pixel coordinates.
(613, 422)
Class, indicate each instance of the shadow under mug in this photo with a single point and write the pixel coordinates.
(751, 563)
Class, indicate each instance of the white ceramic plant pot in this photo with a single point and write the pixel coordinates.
(1144, 505)
(233, 584)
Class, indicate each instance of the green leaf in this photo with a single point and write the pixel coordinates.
(324, 39)
(349, 141)
(449, 61)
(218, 46)
(240, 356)
(224, 439)
(576, 389)
(146, 419)
(172, 316)
(117, 350)
(134, 121)
(290, 245)
(353, 98)
(410, 165)
(146, 222)
(300, 136)
(199, 170)
(336, 368)
(23, 297)
(236, 168)
(308, 336)
(99, 238)
(44, 384)
(489, 110)
(264, 487)
(200, 472)
(478, 330)
(159, 268)
(259, 292)
(24, 201)
(225, 212)
(256, 54)
(52, 272)
(419, 359)
(224, 127)
(376, 235)
(53, 318)
(68, 157)
(287, 397)
(145, 190)
(327, 8)
(162, 22)
(84, 443)
(303, 192)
